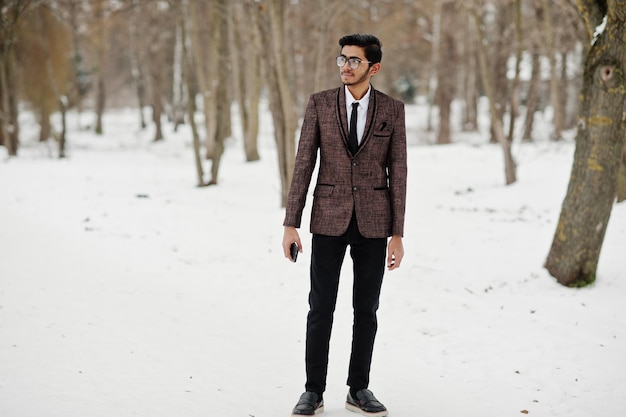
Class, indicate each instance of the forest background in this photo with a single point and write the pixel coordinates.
(173, 58)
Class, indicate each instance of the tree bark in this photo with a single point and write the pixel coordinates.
(621, 180)
(514, 108)
(446, 71)
(191, 92)
(282, 102)
(222, 128)
(551, 51)
(100, 43)
(135, 61)
(10, 16)
(532, 98)
(575, 250)
(470, 78)
(247, 69)
(487, 78)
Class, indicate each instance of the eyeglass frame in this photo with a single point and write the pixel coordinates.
(350, 60)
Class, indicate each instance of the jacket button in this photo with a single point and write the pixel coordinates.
(353, 188)
(354, 164)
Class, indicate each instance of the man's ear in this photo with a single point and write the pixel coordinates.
(375, 68)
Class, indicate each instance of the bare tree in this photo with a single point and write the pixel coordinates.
(136, 58)
(11, 14)
(246, 62)
(470, 76)
(99, 40)
(282, 102)
(488, 84)
(514, 107)
(183, 21)
(575, 250)
(446, 70)
(551, 52)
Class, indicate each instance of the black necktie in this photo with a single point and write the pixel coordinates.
(353, 143)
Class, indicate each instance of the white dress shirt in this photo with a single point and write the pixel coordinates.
(362, 111)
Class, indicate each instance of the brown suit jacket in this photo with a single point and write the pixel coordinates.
(372, 182)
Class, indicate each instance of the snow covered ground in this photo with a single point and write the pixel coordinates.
(126, 291)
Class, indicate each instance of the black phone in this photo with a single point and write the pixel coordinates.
(294, 251)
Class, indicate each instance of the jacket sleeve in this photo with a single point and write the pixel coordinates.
(306, 157)
(397, 165)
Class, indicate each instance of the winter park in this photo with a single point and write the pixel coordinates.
(131, 285)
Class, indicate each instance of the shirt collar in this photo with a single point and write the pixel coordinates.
(363, 101)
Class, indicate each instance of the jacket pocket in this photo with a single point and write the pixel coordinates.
(323, 190)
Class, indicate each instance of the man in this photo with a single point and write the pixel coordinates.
(358, 201)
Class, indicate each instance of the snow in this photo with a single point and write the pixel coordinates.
(127, 291)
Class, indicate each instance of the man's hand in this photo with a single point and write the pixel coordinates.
(395, 252)
(290, 236)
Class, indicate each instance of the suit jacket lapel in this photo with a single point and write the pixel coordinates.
(369, 121)
(342, 115)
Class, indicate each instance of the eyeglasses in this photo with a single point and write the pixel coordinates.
(353, 62)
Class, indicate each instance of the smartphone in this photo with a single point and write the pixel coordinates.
(294, 251)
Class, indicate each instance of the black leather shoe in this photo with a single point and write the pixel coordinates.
(366, 404)
(310, 403)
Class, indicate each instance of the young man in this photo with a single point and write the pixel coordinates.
(358, 201)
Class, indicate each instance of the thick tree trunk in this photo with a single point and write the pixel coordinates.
(575, 250)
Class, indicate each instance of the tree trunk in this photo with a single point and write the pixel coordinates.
(514, 108)
(63, 105)
(470, 78)
(222, 128)
(282, 102)
(247, 70)
(135, 60)
(434, 64)
(101, 62)
(532, 98)
(487, 78)
(551, 52)
(500, 51)
(156, 64)
(8, 112)
(446, 72)
(575, 250)
(191, 93)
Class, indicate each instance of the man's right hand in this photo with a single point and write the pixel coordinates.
(290, 236)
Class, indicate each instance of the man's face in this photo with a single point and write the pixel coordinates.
(363, 73)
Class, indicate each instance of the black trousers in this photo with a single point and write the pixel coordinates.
(327, 255)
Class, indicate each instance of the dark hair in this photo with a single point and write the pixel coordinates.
(370, 44)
